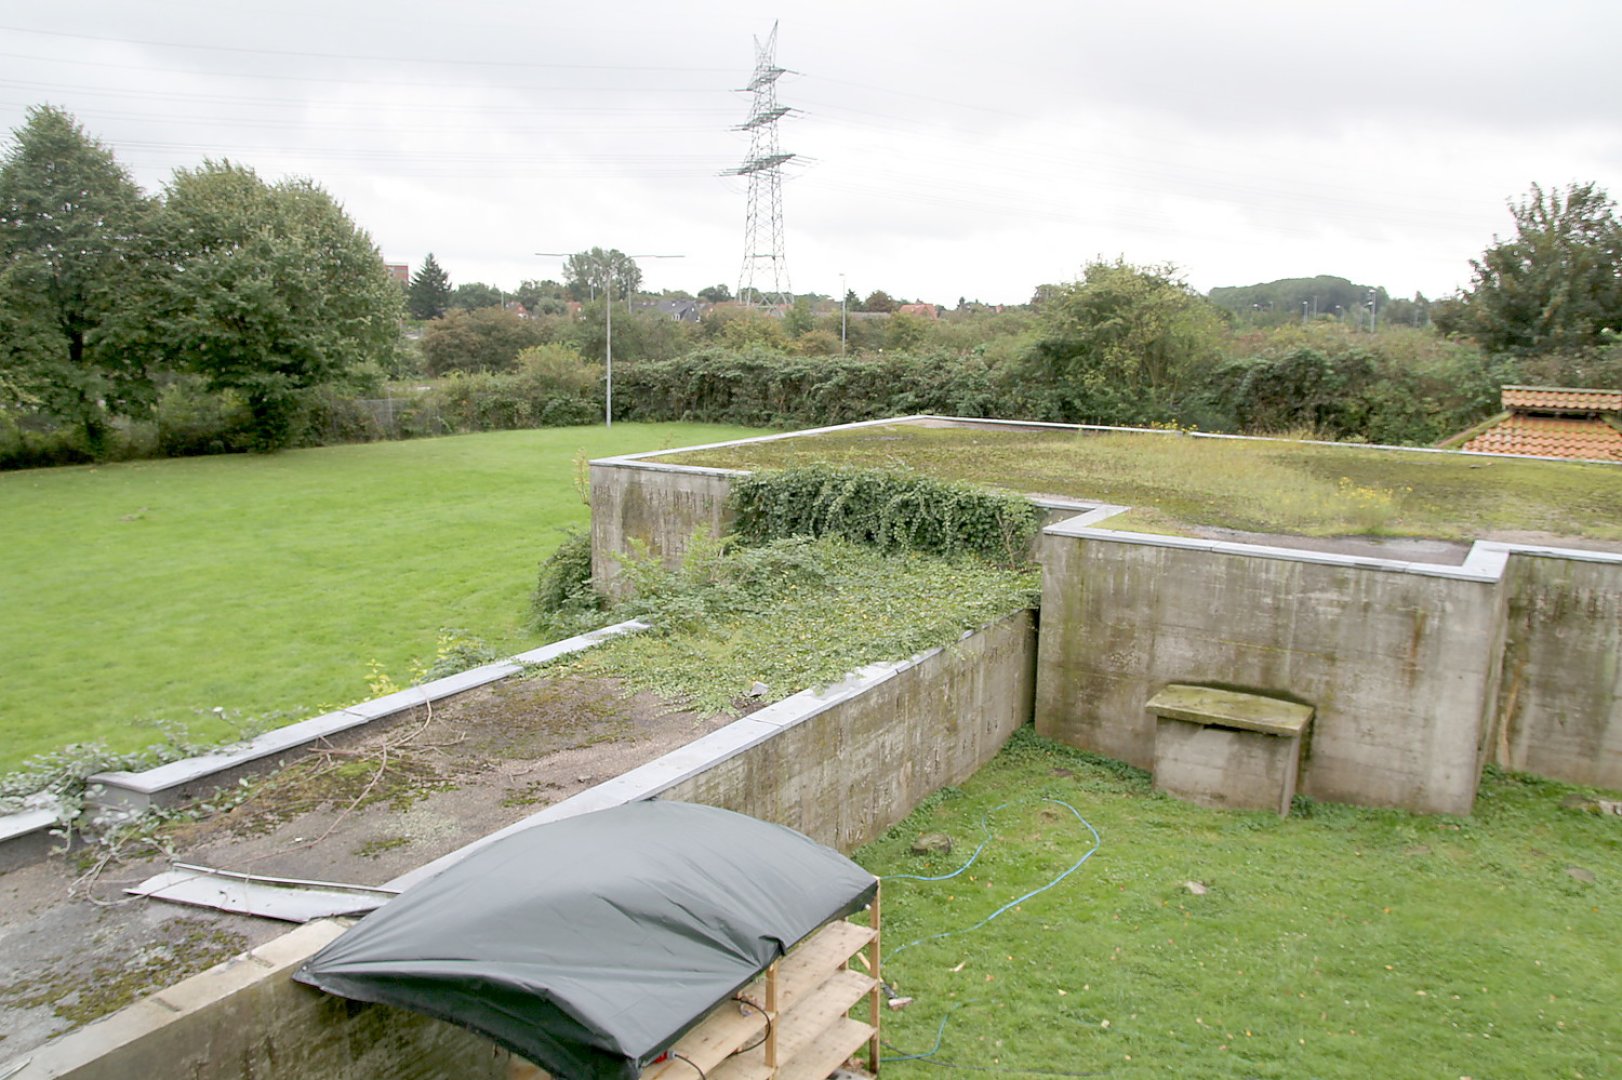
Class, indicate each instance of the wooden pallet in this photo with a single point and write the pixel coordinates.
(808, 995)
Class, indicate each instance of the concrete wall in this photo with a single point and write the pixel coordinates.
(247, 1018)
(659, 505)
(841, 764)
(1559, 693)
(848, 773)
(1397, 658)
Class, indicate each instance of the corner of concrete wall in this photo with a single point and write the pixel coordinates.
(1396, 663)
(848, 773)
(1558, 702)
(659, 507)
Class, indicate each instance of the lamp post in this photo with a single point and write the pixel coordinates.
(843, 293)
(608, 327)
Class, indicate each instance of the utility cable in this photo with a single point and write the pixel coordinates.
(927, 1057)
(985, 822)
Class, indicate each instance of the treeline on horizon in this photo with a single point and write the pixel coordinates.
(227, 314)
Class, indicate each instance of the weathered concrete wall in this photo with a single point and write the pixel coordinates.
(846, 774)
(246, 1019)
(1559, 692)
(1396, 661)
(842, 765)
(661, 506)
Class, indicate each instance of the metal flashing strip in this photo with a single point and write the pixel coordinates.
(285, 899)
(1465, 571)
(1485, 560)
(133, 791)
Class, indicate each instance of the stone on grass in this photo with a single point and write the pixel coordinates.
(934, 843)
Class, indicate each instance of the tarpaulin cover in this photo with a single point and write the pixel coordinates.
(590, 945)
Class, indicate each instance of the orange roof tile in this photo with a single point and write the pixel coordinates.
(1547, 436)
(1561, 399)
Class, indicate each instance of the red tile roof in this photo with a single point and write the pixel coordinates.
(1560, 399)
(1549, 436)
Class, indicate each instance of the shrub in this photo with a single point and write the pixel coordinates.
(564, 599)
(892, 510)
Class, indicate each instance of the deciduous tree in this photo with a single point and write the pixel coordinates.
(588, 273)
(69, 214)
(266, 290)
(473, 295)
(1556, 285)
(1127, 342)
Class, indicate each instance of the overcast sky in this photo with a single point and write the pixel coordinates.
(945, 150)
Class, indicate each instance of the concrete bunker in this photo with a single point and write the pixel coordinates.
(1459, 663)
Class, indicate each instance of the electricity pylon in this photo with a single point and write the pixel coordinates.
(763, 259)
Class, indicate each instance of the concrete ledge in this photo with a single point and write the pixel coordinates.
(246, 1017)
(189, 778)
(1224, 708)
(704, 755)
(26, 837)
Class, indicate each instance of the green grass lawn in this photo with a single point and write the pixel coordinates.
(165, 589)
(1176, 483)
(1340, 942)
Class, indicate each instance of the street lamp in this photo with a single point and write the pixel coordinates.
(843, 293)
(608, 326)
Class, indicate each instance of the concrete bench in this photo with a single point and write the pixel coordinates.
(1227, 750)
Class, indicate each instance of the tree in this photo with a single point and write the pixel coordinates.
(587, 273)
(476, 294)
(542, 297)
(1556, 285)
(430, 292)
(879, 300)
(69, 214)
(715, 294)
(488, 339)
(265, 290)
(1126, 343)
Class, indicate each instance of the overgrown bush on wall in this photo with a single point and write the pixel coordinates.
(890, 509)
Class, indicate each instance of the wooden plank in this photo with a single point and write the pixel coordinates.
(874, 953)
(828, 1051)
(732, 1025)
(799, 1029)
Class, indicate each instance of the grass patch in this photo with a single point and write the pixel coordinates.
(792, 614)
(1179, 483)
(165, 589)
(1340, 942)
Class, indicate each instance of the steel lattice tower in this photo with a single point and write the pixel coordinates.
(763, 232)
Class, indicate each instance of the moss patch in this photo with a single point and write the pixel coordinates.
(1256, 486)
(82, 996)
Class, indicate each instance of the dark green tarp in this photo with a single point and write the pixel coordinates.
(590, 945)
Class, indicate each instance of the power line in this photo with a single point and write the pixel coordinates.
(242, 49)
(277, 76)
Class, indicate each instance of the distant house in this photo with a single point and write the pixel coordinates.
(688, 311)
(923, 311)
(400, 272)
(1550, 421)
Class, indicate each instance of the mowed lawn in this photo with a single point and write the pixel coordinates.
(1340, 942)
(168, 589)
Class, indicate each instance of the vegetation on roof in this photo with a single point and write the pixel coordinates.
(1180, 484)
(791, 614)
